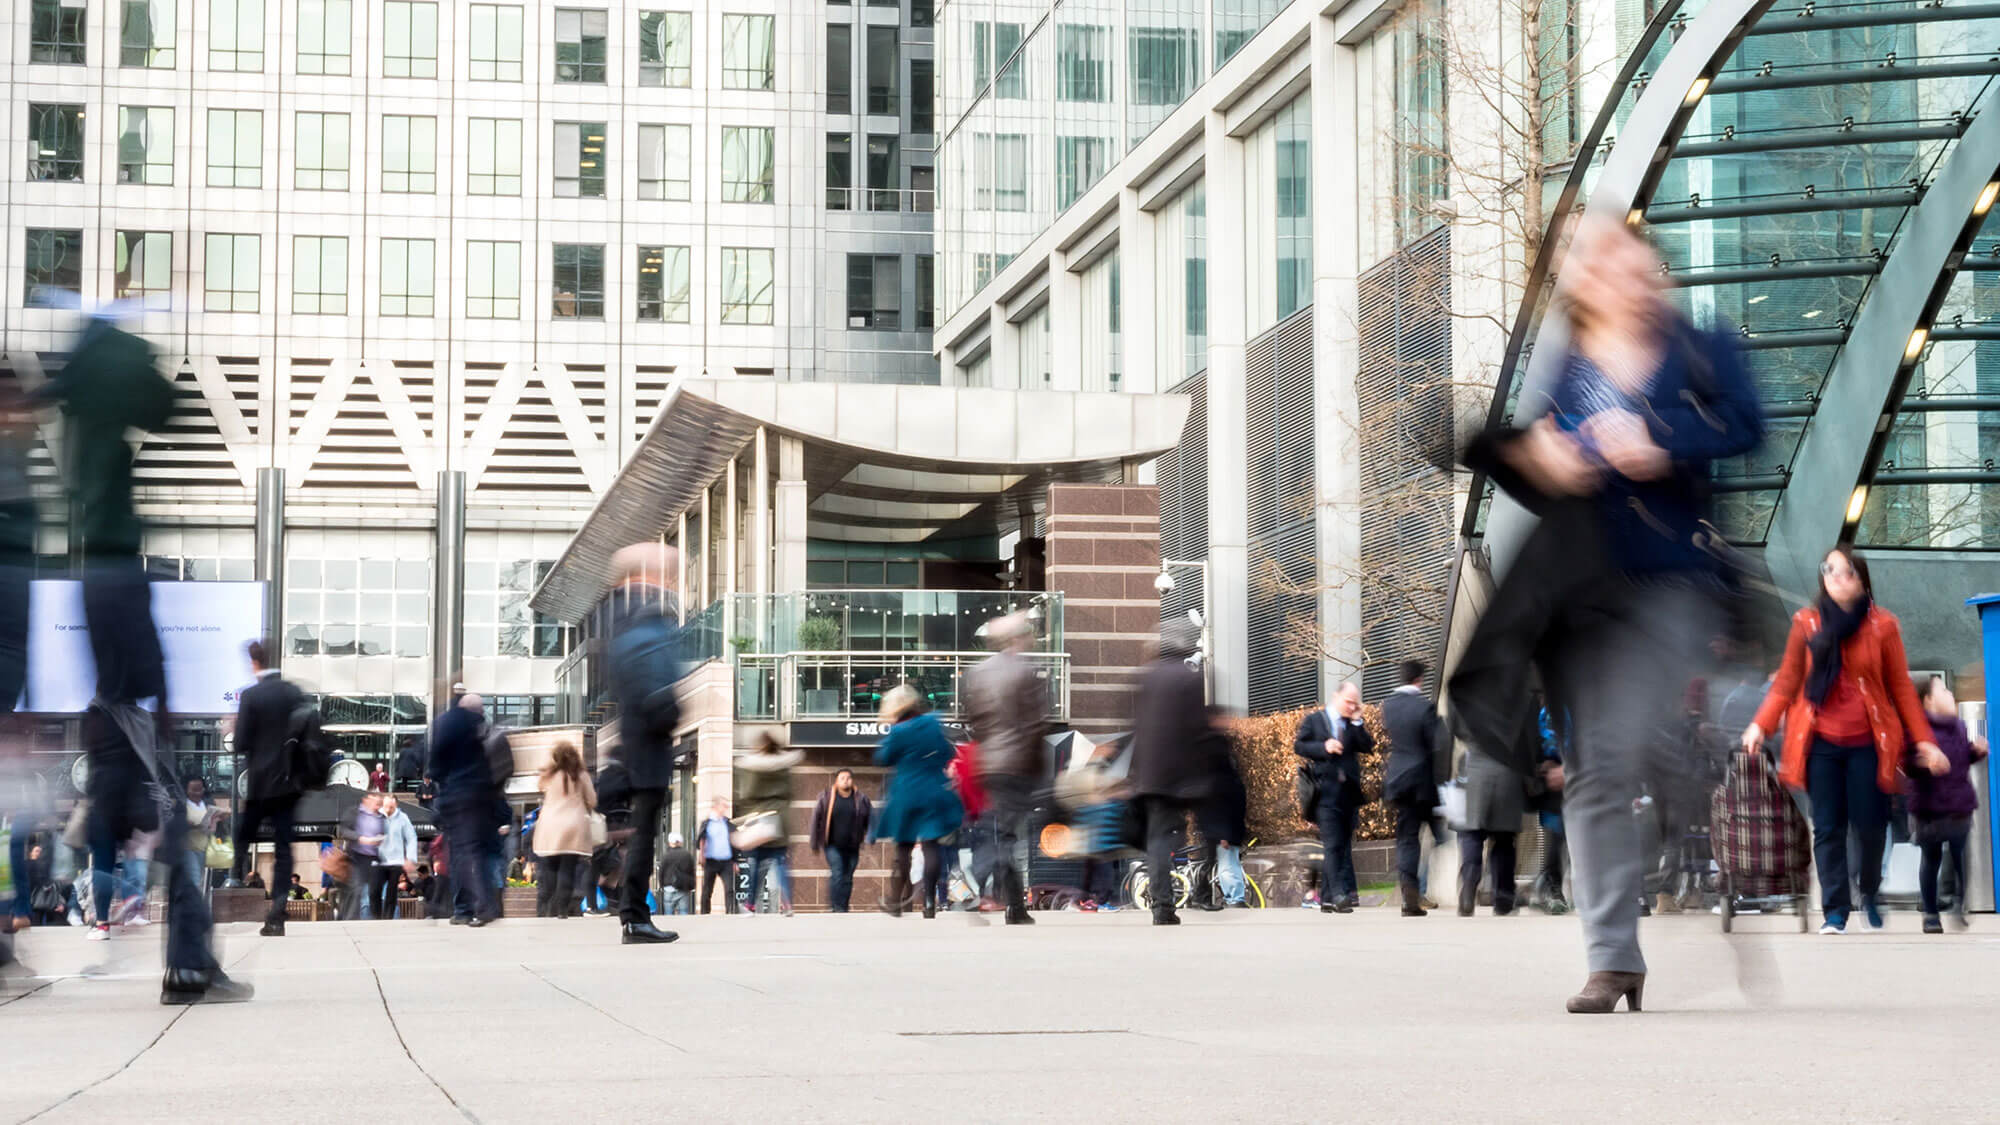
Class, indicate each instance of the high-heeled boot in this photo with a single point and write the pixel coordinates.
(1601, 993)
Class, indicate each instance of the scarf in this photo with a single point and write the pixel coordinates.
(1835, 626)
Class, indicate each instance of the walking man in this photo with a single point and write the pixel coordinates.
(397, 856)
(1008, 705)
(718, 858)
(465, 806)
(645, 665)
(1410, 787)
(839, 828)
(1174, 751)
(676, 877)
(1333, 739)
(263, 729)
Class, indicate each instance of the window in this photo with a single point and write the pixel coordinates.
(407, 279)
(235, 148)
(1099, 354)
(142, 266)
(874, 291)
(885, 69)
(746, 286)
(747, 169)
(146, 34)
(666, 48)
(412, 30)
(923, 96)
(496, 43)
(1180, 287)
(500, 622)
(322, 152)
(495, 167)
(580, 50)
(839, 68)
(376, 604)
(663, 283)
(1083, 63)
(319, 275)
(55, 32)
(663, 161)
(579, 282)
(409, 154)
(1163, 64)
(1080, 162)
(326, 35)
(884, 175)
(993, 47)
(1002, 162)
(1422, 174)
(55, 268)
(580, 159)
(145, 145)
(55, 136)
(1276, 220)
(493, 280)
(236, 35)
(923, 189)
(231, 273)
(922, 13)
(926, 294)
(749, 55)
(839, 170)
(1236, 21)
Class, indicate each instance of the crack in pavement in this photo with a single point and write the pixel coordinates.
(127, 1065)
(600, 1011)
(389, 1012)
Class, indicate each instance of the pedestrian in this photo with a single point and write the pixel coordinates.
(201, 820)
(1007, 703)
(271, 782)
(1496, 802)
(918, 806)
(378, 778)
(296, 889)
(364, 835)
(1175, 747)
(396, 859)
(1942, 801)
(839, 827)
(563, 836)
(1223, 818)
(645, 664)
(1548, 809)
(978, 833)
(1334, 739)
(763, 788)
(718, 857)
(1849, 709)
(1409, 786)
(676, 877)
(465, 807)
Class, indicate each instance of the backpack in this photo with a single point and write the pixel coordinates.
(1307, 788)
(308, 754)
(499, 756)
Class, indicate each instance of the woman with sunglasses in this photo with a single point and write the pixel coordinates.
(1849, 709)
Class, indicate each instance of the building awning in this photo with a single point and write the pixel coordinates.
(883, 463)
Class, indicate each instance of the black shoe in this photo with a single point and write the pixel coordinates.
(930, 910)
(1337, 906)
(1352, 901)
(273, 928)
(475, 923)
(194, 986)
(461, 919)
(1933, 924)
(1167, 918)
(645, 933)
(1019, 916)
(1239, 906)
(1415, 912)
(1212, 906)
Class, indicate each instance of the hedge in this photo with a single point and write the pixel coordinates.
(1264, 754)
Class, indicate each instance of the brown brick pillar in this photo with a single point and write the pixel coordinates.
(1104, 552)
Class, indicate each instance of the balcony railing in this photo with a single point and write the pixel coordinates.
(783, 687)
(880, 199)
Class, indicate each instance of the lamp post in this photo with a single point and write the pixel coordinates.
(1164, 583)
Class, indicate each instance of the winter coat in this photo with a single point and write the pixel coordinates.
(1874, 657)
(563, 828)
(1496, 798)
(919, 804)
(822, 819)
(1008, 705)
(763, 783)
(1173, 744)
(1339, 774)
(1933, 797)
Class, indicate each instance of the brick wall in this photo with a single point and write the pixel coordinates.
(1104, 553)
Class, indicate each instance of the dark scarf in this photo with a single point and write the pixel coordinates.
(1835, 626)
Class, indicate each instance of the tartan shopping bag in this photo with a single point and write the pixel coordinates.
(1759, 836)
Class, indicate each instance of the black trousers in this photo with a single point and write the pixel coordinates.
(1166, 823)
(715, 871)
(1336, 838)
(278, 812)
(1411, 819)
(646, 806)
(382, 890)
(559, 885)
(467, 826)
(1013, 800)
(1471, 863)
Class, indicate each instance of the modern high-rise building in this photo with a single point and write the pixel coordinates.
(424, 271)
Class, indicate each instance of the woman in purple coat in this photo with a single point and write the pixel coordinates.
(1942, 800)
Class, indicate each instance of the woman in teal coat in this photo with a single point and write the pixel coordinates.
(920, 806)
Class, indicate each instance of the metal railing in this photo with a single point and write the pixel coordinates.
(783, 687)
(880, 199)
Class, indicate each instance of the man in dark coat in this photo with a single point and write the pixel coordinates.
(1174, 747)
(1008, 706)
(839, 827)
(1333, 739)
(465, 807)
(263, 728)
(644, 668)
(1410, 786)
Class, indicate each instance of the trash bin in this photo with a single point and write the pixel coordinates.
(1979, 881)
(1982, 881)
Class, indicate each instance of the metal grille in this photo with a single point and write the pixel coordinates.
(1403, 392)
(1184, 501)
(1283, 609)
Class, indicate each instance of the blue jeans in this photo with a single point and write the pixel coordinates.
(771, 856)
(1841, 781)
(840, 864)
(1229, 872)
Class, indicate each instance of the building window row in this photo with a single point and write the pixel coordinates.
(406, 278)
(875, 293)
(322, 154)
(495, 41)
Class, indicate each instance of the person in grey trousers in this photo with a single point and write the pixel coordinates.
(1008, 705)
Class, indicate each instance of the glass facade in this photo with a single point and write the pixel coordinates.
(1101, 358)
(1180, 286)
(1277, 215)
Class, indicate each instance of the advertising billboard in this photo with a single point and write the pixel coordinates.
(203, 628)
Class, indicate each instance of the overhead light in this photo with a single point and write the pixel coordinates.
(1695, 91)
(1916, 343)
(1986, 198)
(1758, 299)
(1634, 217)
(1812, 315)
(1858, 504)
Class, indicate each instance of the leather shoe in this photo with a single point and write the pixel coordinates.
(1337, 906)
(461, 919)
(196, 986)
(273, 928)
(645, 933)
(1167, 918)
(475, 923)
(1019, 916)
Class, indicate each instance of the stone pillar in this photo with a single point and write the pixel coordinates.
(681, 569)
(271, 558)
(1137, 301)
(731, 528)
(448, 589)
(760, 531)
(1228, 446)
(1104, 552)
(790, 532)
(1336, 192)
(1066, 330)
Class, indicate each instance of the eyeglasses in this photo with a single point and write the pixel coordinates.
(1835, 570)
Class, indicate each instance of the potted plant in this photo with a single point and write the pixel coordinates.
(819, 632)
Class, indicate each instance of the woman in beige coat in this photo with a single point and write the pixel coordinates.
(562, 833)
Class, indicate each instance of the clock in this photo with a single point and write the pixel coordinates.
(350, 773)
(79, 773)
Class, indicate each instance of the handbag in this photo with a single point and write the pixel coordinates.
(1307, 788)
(48, 898)
(756, 831)
(1451, 804)
(219, 855)
(335, 862)
(599, 831)
(76, 833)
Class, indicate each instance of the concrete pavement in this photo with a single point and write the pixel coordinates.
(1275, 1015)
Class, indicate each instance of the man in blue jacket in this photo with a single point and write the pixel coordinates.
(465, 806)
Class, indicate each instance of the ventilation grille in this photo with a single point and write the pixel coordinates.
(513, 428)
(1283, 609)
(1183, 477)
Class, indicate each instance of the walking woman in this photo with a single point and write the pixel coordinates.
(562, 833)
(1850, 711)
(919, 806)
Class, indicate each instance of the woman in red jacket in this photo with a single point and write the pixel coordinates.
(1849, 709)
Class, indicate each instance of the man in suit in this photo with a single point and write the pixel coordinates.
(263, 727)
(644, 668)
(1008, 706)
(1410, 785)
(1175, 748)
(1333, 739)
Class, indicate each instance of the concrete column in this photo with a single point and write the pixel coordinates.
(1066, 326)
(271, 558)
(1137, 301)
(1003, 356)
(448, 589)
(681, 569)
(731, 528)
(790, 575)
(1228, 448)
(760, 531)
(707, 549)
(1336, 203)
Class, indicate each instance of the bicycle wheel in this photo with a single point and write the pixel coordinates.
(1138, 889)
(1183, 888)
(1253, 894)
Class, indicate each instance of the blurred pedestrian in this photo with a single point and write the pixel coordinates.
(1850, 711)
(918, 806)
(1175, 748)
(396, 858)
(202, 818)
(1008, 706)
(1615, 594)
(271, 783)
(1496, 802)
(1222, 816)
(1942, 801)
(1409, 786)
(563, 837)
(645, 664)
(1333, 740)
(364, 835)
(1548, 810)
(718, 857)
(839, 827)
(676, 877)
(465, 807)
(763, 788)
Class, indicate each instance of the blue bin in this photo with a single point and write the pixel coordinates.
(1988, 607)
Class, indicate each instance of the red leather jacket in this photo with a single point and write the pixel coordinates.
(1874, 657)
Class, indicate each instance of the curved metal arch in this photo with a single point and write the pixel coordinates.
(1864, 388)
